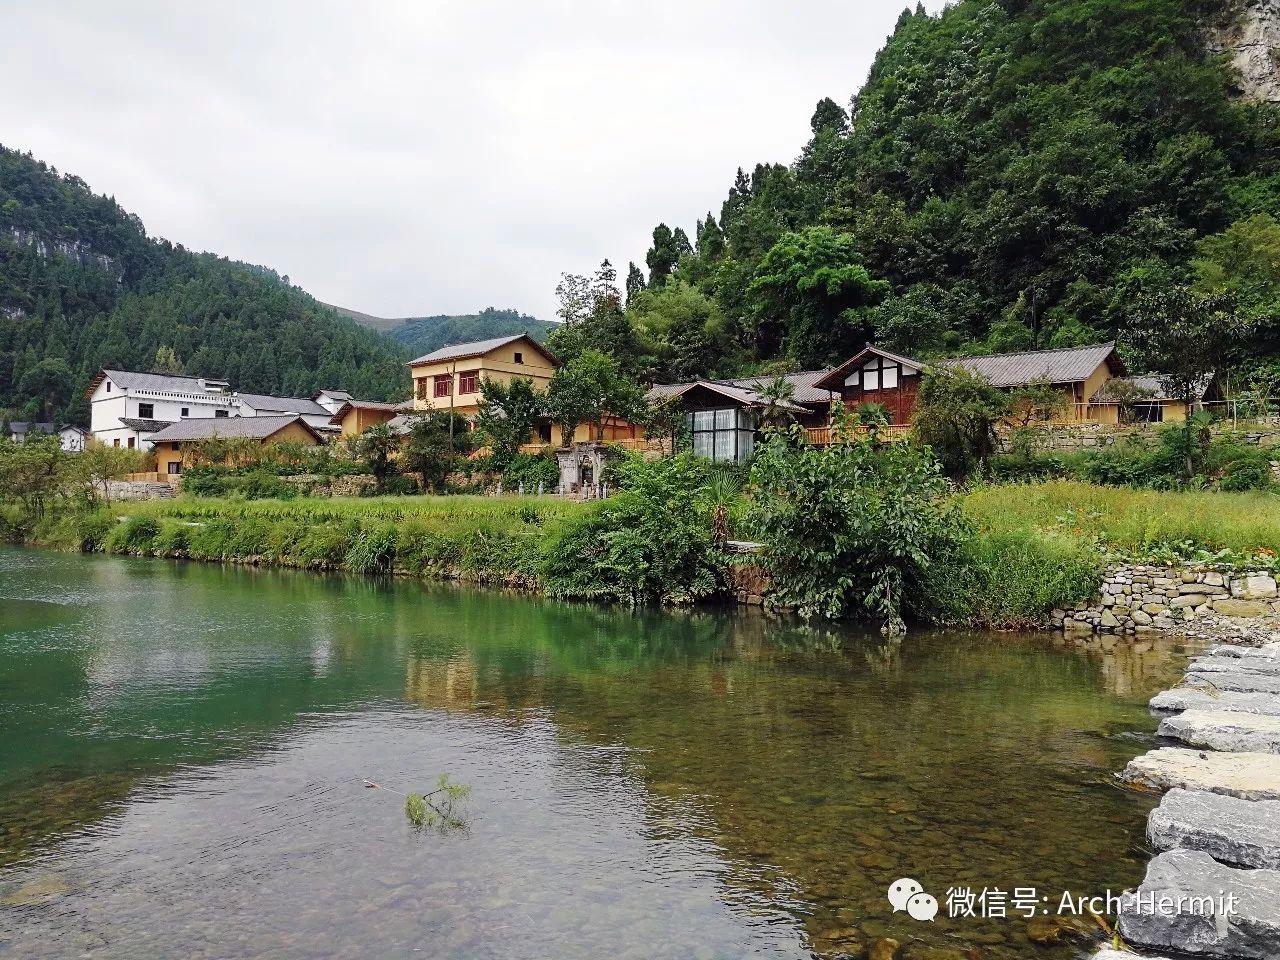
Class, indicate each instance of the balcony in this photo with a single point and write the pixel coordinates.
(821, 436)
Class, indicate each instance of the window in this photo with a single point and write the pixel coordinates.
(469, 382)
(222, 413)
(115, 442)
(175, 466)
(131, 443)
(147, 411)
(108, 391)
(519, 357)
(175, 445)
(422, 388)
(879, 374)
(723, 435)
(871, 375)
(444, 384)
(544, 432)
(186, 411)
(1148, 413)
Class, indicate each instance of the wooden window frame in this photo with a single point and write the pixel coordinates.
(441, 385)
(469, 382)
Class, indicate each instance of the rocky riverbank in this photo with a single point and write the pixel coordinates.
(1205, 602)
(1217, 828)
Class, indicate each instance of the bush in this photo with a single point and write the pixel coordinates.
(854, 527)
(1251, 474)
(532, 469)
(649, 542)
(372, 550)
(135, 535)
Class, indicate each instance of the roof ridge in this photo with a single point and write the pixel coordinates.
(1032, 353)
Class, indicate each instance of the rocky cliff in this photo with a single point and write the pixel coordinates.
(1249, 34)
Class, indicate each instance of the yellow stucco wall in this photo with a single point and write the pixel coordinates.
(167, 453)
(498, 365)
(358, 420)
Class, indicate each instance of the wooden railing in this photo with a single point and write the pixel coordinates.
(821, 436)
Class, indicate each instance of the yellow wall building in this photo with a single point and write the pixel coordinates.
(356, 416)
(174, 442)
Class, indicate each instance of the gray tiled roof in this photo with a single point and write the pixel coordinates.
(259, 401)
(144, 425)
(18, 427)
(1070, 365)
(162, 382)
(805, 391)
(206, 428)
(475, 348)
(743, 395)
(1152, 383)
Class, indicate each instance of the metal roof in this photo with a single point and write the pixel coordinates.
(260, 401)
(805, 391)
(206, 428)
(477, 348)
(1069, 365)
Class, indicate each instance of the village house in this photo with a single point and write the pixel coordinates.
(172, 444)
(893, 381)
(1148, 400)
(450, 379)
(126, 408)
(354, 417)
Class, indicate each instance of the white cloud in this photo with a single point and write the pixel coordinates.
(411, 158)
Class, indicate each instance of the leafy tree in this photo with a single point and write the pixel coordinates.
(437, 443)
(1038, 400)
(635, 282)
(681, 329)
(507, 415)
(1188, 337)
(166, 361)
(815, 282)
(956, 419)
(590, 389)
(853, 527)
(378, 446)
(591, 308)
(1244, 262)
(100, 465)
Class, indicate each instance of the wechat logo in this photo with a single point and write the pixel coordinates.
(906, 894)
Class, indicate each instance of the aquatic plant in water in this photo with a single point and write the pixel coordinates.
(441, 807)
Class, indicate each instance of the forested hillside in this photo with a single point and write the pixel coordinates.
(1013, 174)
(420, 335)
(82, 286)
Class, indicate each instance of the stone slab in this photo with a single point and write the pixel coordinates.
(1241, 833)
(1264, 665)
(1266, 651)
(1106, 953)
(1241, 680)
(1224, 730)
(1199, 698)
(1250, 932)
(1251, 776)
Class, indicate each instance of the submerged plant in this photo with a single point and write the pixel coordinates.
(440, 808)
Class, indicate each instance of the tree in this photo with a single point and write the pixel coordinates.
(378, 447)
(777, 394)
(663, 257)
(590, 389)
(591, 308)
(956, 418)
(1244, 262)
(101, 465)
(810, 296)
(635, 282)
(166, 361)
(507, 415)
(1037, 400)
(437, 442)
(1188, 338)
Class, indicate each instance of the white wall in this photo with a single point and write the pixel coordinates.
(108, 406)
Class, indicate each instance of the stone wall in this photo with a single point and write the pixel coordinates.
(314, 485)
(1072, 437)
(140, 490)
(1145, 599)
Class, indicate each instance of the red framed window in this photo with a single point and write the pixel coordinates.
(422, 389)
(469, 382)
(443, 384)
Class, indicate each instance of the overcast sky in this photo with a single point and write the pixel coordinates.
(411, 158)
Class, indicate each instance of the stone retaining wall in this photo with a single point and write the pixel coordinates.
(140, 490)
(1072, 437)
(314, 485)
(1145, 599)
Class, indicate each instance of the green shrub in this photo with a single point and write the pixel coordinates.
(649, 542)
(174, 538)
(135, 535)
(371, 550)
(1248, 474)
(532, 469)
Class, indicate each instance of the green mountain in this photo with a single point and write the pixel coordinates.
(421, 335)
(82, 286)
(1013, 174)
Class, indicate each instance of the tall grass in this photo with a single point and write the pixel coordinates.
(1131, 522)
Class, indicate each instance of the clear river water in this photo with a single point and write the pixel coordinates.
(183, 749)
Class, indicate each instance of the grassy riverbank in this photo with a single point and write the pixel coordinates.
(1032, 546)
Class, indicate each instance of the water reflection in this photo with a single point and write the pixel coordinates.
(184, 746)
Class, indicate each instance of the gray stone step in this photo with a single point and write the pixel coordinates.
(1239, 680)
(1106, 953)
(1250, 932)
(1265, 665)
(1252, 776)
(1197, 698)
(1224, 730)
(1241, 833)
(1266, 651)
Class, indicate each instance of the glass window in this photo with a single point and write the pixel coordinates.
(724, 419)
(443, 384)
(702, 445)
(146, 411)
(871, 380)
(222, 413)
(889, 377)
(724, 444)
(175, 466)
(704, 420)
(186, 411)
(468, 382)
(746, 444)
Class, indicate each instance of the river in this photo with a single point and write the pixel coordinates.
(183, 751)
